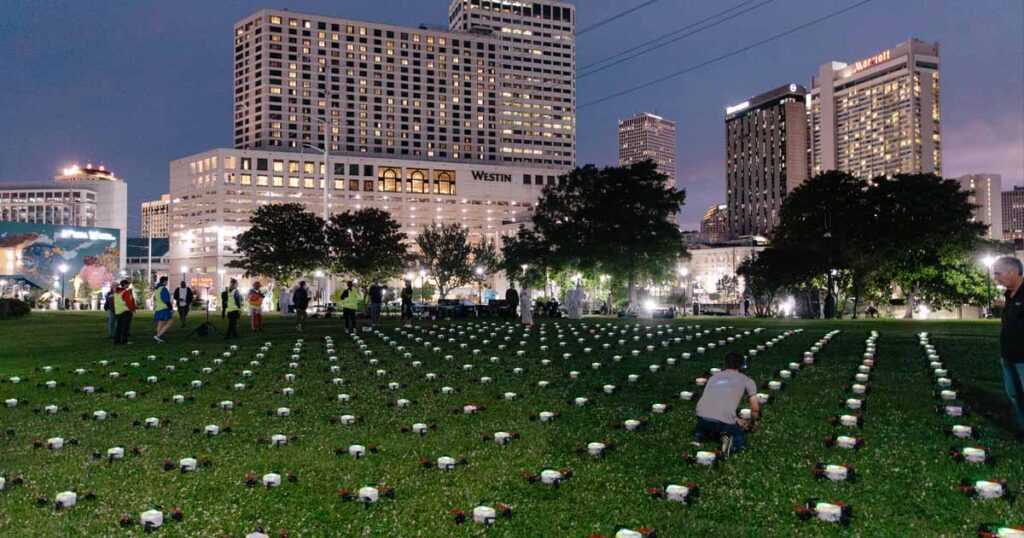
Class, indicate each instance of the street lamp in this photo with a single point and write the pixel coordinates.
(479, 275)
(184, 270)
(423, 284)
(63, 270)
(684, 272)
(989, 261)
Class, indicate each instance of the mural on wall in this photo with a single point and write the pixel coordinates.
(36, 252)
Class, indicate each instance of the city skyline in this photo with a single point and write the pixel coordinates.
(97, 97)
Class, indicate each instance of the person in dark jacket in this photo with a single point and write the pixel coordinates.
(183, 297)
(376, 293)
(406, 297)
(512, 298)
(1009, 273)
(300, 300)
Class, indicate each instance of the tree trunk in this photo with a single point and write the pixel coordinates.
(909, 313)
(632, 301)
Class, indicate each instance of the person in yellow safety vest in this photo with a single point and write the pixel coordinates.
(350, 300)
(256, 307)
(163, 313)
(233, 308)
(124, 308)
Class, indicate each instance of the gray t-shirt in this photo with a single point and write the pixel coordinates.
(722, 395)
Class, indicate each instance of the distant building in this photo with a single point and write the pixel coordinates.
(708, 264)
(986, 193)
(879, 115)
(714, 227)
(156, 217)
(691, 237)
(141, 260)
(646, 136)
(1013, 215)
(765, 157)
(80, 196)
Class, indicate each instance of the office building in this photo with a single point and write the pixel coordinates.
(714, 227)
(879, 115)
(986, 193)
(765, 157)
(156, 219)
(649, 137)
(1013, 215)
(86, 196)
(497, 86)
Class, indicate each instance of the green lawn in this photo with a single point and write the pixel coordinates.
(906, 486)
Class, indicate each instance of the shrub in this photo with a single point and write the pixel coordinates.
(13, 308)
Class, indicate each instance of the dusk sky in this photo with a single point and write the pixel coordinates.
(136, 84)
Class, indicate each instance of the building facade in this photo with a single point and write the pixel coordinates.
(646, 136)
(1013, 215)
(765, 157)
(879, 115)
(497, 86)
(79, 196)
(709, 264)
(714, 227)
(986, 192)
(214, 193)
(156, 218)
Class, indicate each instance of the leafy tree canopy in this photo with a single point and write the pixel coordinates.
(284, 242)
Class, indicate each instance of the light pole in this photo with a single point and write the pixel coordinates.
(184, 271)
(684, 272)
(320, 290)
(480, 281)
(327, 123)
(220, 286)
(989, 261)
(63, 271)
(423, 284)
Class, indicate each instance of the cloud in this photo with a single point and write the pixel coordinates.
(995, 146)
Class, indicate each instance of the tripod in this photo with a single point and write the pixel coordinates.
(206, 328)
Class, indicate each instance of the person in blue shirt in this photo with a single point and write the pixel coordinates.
(163, 311)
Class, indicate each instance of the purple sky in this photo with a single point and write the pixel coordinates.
(136, 84)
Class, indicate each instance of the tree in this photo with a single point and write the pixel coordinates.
(921, 222)
(284, 242)
(525, 258)
(614, 220)
(728, 287)
(446, 254)
(366, 243)
(486, 260)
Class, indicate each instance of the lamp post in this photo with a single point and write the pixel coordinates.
(327, 123)
(423, 284)
(319, 292)
(63, 271)
(480, 281)
(184, 271)
(989, 261)
(684, 272)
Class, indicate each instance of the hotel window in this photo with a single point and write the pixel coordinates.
(417, 182)
(339, 184)
(307, 182)
(353, 170)
(246, 163)
(389, 180)
(444, 182)
(368, 170)
(339, 169)
(278, 181)
(353, 184)
(261, 181)
(293, 182)
(246, 179)
(261, 165)
(527, 179)
(229, 162)
(368, 185)
(293, 167)
(278, 166)
(307, 167)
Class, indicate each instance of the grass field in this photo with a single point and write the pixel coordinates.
(906, 481)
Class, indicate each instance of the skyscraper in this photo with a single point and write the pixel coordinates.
(714, 227)
(646, 136)
(156, 219)
(765, 157)
(878, 115)
(986, 193)
(497, 86)
(1013, 215)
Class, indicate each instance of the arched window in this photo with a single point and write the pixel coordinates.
(389, 180)
(444, 182)
(418, 181)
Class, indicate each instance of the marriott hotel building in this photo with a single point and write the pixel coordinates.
(464, 124)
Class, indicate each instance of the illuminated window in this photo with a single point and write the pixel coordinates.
(278, 166)
(417, 181)
(353, 184)
(368, 185)
(389, 180)
(444, 182)
(246, 179)
(261, 181)
(307, 182)
(293, 167)
(246, 163)
(293, 182)
(339, 184)
(278, 181)
(307, 167)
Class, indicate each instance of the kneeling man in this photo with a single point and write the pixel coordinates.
(716, 410)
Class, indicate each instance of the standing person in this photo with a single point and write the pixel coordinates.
(124, 309)
(350, 300)
(108, 305)
(512, 298)
(376, 293)
(284, 303)
(1009, 273)
(406, 297)
(255, 300)
(716, 409)
(183, 297)
(300, 298)
(232, 308)
(746, 307)
(526, 307)
(163, 310)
